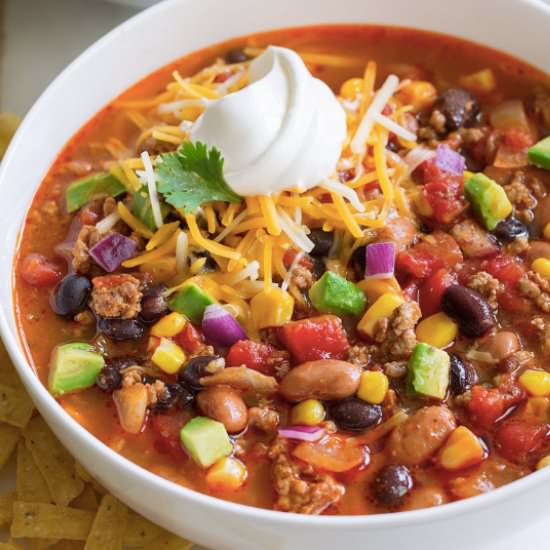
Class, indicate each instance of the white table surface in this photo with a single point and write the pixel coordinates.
(40, 37)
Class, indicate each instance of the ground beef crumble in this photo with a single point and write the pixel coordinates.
(87, 237)
(400, 336)
(279, 362)
(263, 417)
(299, 488)
(537, 289)
(486, 285)
(302, 277)
(359, 354)
(521, 197)
(116, 296)
(543, 329)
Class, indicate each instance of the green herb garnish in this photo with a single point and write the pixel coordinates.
(192, 176)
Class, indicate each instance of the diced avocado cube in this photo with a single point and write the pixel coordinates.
(74, 367)
(539, 154)
(205, 440)
(334, 294)
(488, 199)
(82, 190)
(429, 371)
(191, 301)
(142, 209)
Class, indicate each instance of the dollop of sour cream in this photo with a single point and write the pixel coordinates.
(284, 130)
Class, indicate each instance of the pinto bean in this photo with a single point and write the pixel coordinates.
(323, 379)
(225, 406)
(472, 313)
(501, 345)
(419, 437)
(425, 497)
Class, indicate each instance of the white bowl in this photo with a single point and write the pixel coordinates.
(130, 52)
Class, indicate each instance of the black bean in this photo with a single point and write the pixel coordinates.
(196, 368)
(391, 484)
(174, 395)
(120, 329)
(509, 229)
(109, 379)
(71, 295)
(359, 261)
(459, 107)
(463, 375)
(319, 267)
(355, 414)
(469, 309)
(323, 241)
(236, 55)
(153, 304)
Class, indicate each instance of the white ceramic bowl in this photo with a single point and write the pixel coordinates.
(130, 52)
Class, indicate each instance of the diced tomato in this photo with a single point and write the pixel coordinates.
(190, 338)
(446, 199)
(506, 269)
(517, 138)
(487, 405)
(409, 289)
(315, 338)
(439, 250)
(90, 214)
(252, 354)
(168, 426)
(510, 300)
(38, 271)
(291, 253)
(432, 289)
(517, 439)
(428, 171)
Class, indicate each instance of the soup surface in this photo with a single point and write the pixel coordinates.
(373, 343)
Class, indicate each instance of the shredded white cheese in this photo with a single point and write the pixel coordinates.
(295, 262)
(180, 104)
(251, 271)
(108, 222)
(344, 191)
(182, 249)
(295, 233)
(236, 221)
(376, 107)
(392, 126)
(152, 187)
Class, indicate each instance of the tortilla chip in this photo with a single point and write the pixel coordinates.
(68, 545)
(15, 406)
(168, 541)
(30, 483)
(54, 462)
(7, 546)
(9, 436)
(140, 531)
(109, 525)
(6, 508)
(86, 477)
(8, 374)
(47, 521)
(40, 544)
(87, 500)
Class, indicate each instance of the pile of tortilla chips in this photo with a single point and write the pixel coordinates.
(56, 504)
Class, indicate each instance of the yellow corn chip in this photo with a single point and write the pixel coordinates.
(8, 546)
(54, 462)
(6, 508)
(87, 500)
(8, 440)
(109, 525)
(167, 541)
(29, 482)
(47, 521)
(15, 406)
(86, 477)
(8, 374)
(68, 545)
(140, 531)
(40, 544)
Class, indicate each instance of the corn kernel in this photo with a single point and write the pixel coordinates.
(351, 88)
(422, 206)
(228, 474)
(438, 330)
(169, 326)
(197, 265)
(374, 288)
(546, 231)
(537, 410)
(536, 382)
(481, 82)
(168, 356)
(373, 387)
(271, 308)
(544, 462)
(462, 449)
(542, 267)
(418, 93)
(382, 308)
(309, 412)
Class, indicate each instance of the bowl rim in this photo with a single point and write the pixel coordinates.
(15, 347)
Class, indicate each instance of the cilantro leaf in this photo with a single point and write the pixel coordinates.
(193, 175)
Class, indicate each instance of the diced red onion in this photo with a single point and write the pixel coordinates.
(448, 160)
(415, 157)
(380, 261)
(112, 250)
(220, 328)
(303, 433)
